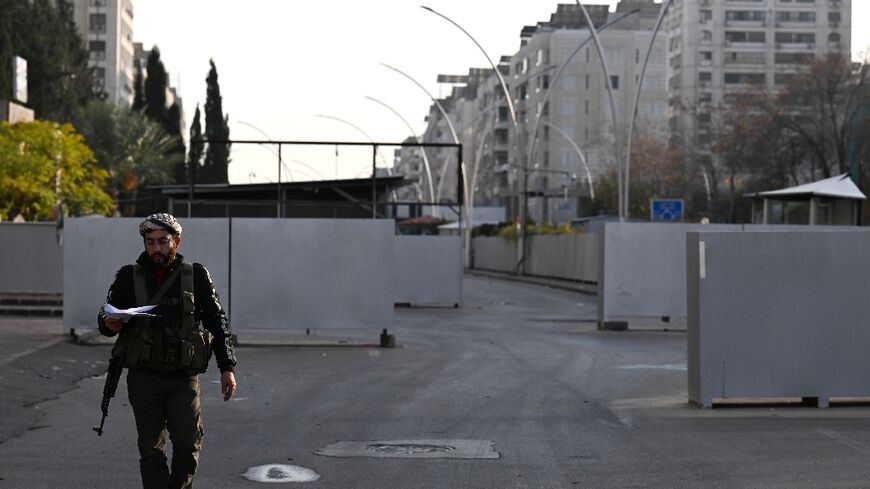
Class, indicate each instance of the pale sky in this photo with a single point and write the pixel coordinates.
(281, 63)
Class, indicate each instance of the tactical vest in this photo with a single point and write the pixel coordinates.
(181, 347)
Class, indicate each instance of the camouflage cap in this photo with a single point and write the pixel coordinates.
(160, 221)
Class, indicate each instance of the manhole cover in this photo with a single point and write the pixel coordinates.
(272, 473)
(409, 449)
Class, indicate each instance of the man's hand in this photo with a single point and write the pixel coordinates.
(114, 324)
(228, 384)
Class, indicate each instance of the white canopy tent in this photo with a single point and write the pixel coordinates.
(832, 201)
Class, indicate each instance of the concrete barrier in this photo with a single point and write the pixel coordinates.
(495, 254)
(94, 249)
(564, 256)
(644, 266)
(31, 261)
(643, 269)
(292, 274)
(777, 314)
(428, 270)
(295, 274)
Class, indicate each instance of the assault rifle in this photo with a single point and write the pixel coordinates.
(113, 375)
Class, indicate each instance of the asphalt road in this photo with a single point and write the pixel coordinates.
(519, 365)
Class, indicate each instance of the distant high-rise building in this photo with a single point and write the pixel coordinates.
(577, 113)
(107, 28)
(717, 47)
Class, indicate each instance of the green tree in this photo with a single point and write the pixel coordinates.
(657, 171)
(138, 88)
(134, 150)
(169, 118)
(44, 33)
(194, 156)
(217, 156)
(44, 162)
(155, 87)
(173, 127)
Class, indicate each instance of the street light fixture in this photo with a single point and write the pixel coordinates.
(538, 121)
(521, 251)
(449, 126)
(662, 11)
(579, 153)
(608, 82)
(289, 173)
(358, 129)
(422, 149)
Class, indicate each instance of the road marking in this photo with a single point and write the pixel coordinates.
(671, 366)
(35, 349)
(845, 440)
(280, 473)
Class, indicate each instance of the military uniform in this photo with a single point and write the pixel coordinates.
(164, 355)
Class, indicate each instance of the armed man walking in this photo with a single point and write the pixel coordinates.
(166, 352)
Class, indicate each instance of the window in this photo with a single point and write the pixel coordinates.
(804, 17)
(586, 107)
(834, 38)
(744, 37)
(706, 37)
(587, 81)
(744, 78)
(705, 76)
(744, 15)
(793, 58)
(833, 16)
(614, 81)
(795, 37)
(705, 16)
(97, 23)
(743, 58)
(706, 57)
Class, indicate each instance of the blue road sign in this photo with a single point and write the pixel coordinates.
(666, 210)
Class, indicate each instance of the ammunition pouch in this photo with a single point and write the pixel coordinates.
(184, 346)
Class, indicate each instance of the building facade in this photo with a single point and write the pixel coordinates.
(567, 133)
(107, 28)
(717, 47)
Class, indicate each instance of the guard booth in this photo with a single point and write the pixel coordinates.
(834, 201)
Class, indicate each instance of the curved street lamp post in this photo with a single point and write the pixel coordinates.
(521, 249)
(422, 149)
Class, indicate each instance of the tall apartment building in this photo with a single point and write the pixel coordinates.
(720, 46)
(577, 113)
(107, 28)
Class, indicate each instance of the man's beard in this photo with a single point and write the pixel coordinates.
(161, 260)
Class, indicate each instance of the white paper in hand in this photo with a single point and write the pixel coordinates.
(125, 314)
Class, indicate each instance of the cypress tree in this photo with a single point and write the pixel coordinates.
(194, 156)
(155, 89)
(173, 128)
(138, 88)
(217, 156)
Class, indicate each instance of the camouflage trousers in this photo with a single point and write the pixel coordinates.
(166, 405)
